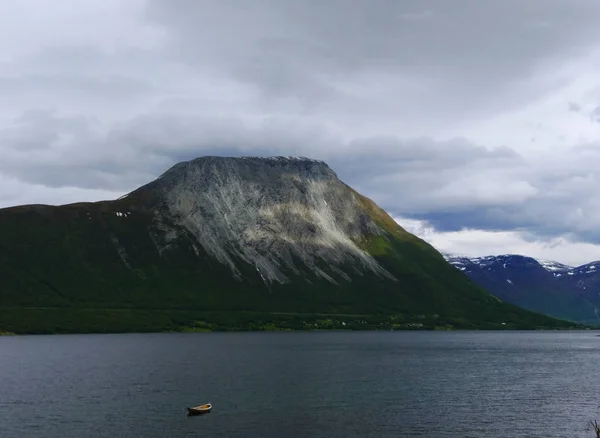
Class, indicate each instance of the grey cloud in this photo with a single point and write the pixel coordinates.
(365, 85)
(455, 53)
(451, 152)
(83, 79)
(561, 200)
(595, 114)
(114, 87)
(453, 184)
(456, 185)
(42, 147)
(39, 144)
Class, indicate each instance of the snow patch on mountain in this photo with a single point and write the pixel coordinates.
(590, 268)
(552, 266)
(511, 261)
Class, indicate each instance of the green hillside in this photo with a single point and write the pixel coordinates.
(127, 265)
(81, 268)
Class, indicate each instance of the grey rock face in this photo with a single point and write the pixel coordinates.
(281, 215)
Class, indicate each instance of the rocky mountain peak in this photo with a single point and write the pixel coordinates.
(250, 167)
(280, 214)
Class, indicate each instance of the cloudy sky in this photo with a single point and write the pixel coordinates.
(476, 124)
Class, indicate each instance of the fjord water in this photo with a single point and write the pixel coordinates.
(320, 384)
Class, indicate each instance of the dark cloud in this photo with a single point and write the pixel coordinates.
(43, 148)
(442, 58)
(101, 98)
(452, 184)
(419, 176)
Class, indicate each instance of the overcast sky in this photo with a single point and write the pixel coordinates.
(476, 124)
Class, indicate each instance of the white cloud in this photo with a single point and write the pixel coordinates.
(479, 243)
(555, 122)
(15, 192)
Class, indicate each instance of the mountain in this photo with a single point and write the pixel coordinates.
(542, 286)
(220, 243)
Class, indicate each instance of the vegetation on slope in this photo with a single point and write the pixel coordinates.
(78, 320)
(100, 267)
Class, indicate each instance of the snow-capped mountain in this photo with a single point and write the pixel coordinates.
(556, 268)
(588, 269)
(541, 285)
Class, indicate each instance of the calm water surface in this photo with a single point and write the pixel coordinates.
(327, 384)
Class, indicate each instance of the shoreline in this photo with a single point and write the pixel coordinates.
(420, 330)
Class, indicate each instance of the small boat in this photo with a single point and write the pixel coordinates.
(199, 410)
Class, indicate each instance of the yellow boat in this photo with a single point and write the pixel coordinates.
(199, 410)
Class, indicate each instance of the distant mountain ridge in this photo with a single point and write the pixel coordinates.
(249, 238)
(545, 286)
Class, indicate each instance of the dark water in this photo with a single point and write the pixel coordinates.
(378, 384)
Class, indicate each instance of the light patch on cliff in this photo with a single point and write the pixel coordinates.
(282, 216)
